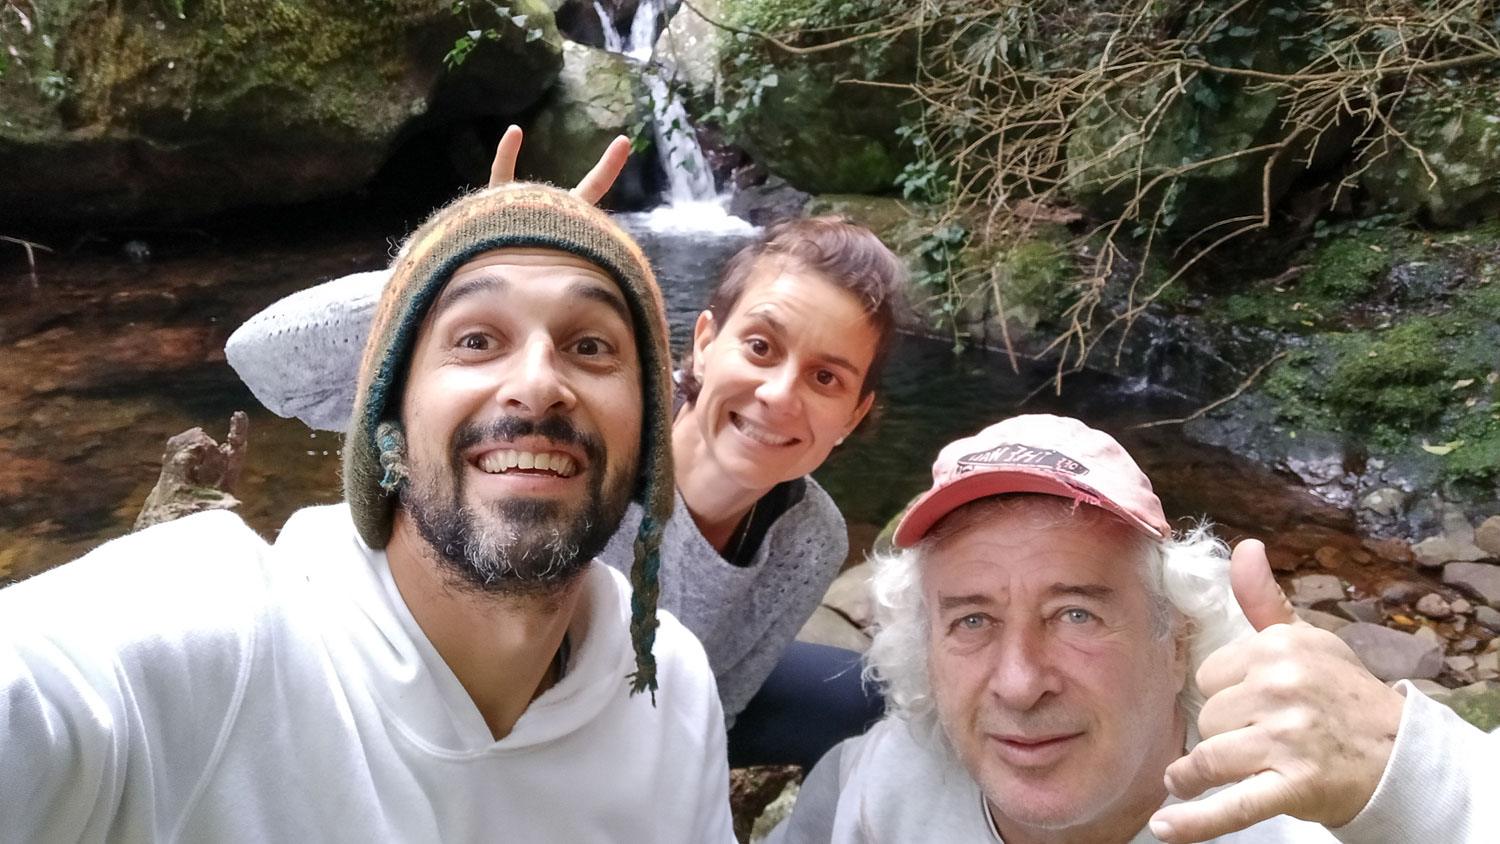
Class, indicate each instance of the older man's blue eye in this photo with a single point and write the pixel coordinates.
(1077, 616)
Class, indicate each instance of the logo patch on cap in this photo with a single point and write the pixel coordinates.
(1014, 454)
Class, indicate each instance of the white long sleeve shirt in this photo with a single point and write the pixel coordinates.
(192, 683)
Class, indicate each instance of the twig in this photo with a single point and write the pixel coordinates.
(30, 254)
(1231, 397)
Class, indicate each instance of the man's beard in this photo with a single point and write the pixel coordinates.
(518, 546)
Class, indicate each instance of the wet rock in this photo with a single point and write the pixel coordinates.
(1481, 579)
(827, 627)
(197, 474)
(1487, 536)
(1367, 610)
(752, 789)
(1488, 617)
(1393, 655)
(1403, 591)
(849, 594)
(1323, 620)
(1386, 501)
(1393, 549)
(768, 203)
(774, 814)
(1438, 550)
(1434, 605)
(1312, 589)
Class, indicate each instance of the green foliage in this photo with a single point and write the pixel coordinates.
(940, 257)
(465, 44)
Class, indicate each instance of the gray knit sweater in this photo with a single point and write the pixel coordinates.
(745, 616)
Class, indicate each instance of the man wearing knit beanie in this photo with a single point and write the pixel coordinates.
(437, 659)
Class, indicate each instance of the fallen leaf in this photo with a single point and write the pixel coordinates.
(1492, 378)
(1401, 619)
(1473, 400)
(1445, 448)
(1374, 248)
(1462, 382)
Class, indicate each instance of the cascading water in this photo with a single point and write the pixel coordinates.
(692, 202)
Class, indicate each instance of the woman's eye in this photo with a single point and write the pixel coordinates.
(590, 346)
(758, 347)
(826, 378)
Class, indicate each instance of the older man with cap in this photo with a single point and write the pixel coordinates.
(437, 659)
(1046, 644)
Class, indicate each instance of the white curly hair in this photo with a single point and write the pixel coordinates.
(1186, 578)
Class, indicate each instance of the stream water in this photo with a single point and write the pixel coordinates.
(103, 359)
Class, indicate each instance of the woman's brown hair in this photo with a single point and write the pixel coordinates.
(837, 250)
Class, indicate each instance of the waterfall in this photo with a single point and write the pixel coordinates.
(690, 181)
(612, 41)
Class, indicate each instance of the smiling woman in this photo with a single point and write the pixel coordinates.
(782, 367)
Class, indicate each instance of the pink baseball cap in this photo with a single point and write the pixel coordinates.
(1051, 455)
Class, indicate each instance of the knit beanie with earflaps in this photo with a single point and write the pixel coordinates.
(515, 215)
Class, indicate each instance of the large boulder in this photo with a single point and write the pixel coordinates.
(1446, 165)
(1199, 140)
(805, 116)
(163, 109)
(598, 95)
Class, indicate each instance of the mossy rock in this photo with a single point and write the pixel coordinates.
(1204, 126)
(1480, 707)
(1449, 168)
(126, 109)
(598, 96)
(804, 116)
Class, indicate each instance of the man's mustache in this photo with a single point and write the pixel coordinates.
(558, 429)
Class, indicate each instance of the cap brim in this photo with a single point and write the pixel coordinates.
(935, 504)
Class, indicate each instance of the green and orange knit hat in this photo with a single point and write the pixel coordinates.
(514, 215)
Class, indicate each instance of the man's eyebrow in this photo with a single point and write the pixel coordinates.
(606, 295)
(769, 318)
(456, 293)
(947, 603)
(494, 282)
(1089, 590)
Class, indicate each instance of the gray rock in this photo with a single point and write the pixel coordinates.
(1393, 655)
(827, 627)
(1437, 550)
(1404, 591)
(1461, 607)
(1428, 634)
(1487, 665)
(1366, 610)
(1480, 578)
(1323, 620)
(1460, 664)
(1487, 536)
(1386, 501)
(849, 594)
(1434, 605)
(1433, 689)
(1312, 589)
(1488, 617)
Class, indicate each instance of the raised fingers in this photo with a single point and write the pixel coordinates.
(503, 168)
(602, 177)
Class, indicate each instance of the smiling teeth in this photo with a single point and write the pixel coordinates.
(499, 462)
(759, 434)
